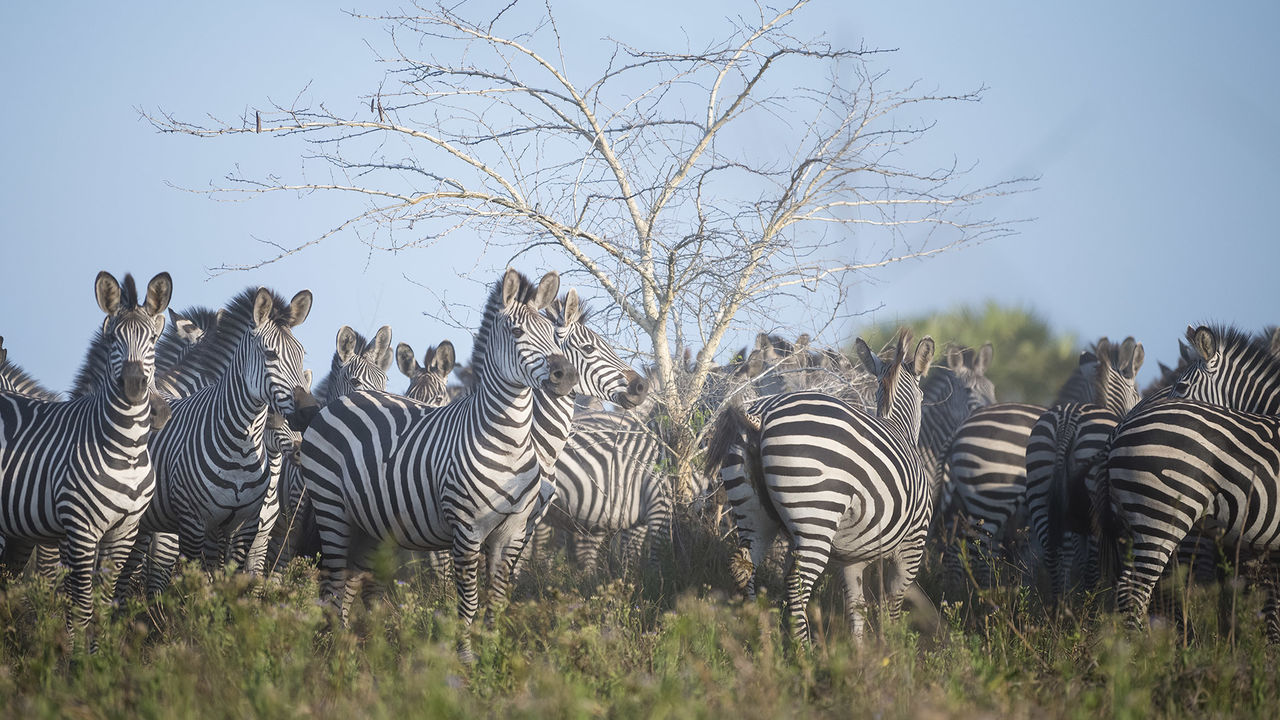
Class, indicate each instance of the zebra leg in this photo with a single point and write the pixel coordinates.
(466, 565)
(164, 553)
(80, 554)
(809, 557)
(1139, 575)
(1271, 607)
(48, 562)
(131, 580)
(633, 540)
(586, 549)
(15, 553)
(116, 546)
(855, 599)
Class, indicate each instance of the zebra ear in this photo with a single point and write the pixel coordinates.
(802, 342)
(510, 287)
(107, 291)
(1126, 357)
(382, 347)
(955, 357)
(1087, 358)
(405, 360)
(4, 354)
(1205, 342)
(307, 377)
(1274, 346)
(1139, 355)
(159, 291)
(923, 356)
(547, 291)
(445, 359)
(868, 358)
(262, 306)
(572, 311)
(299, 308)
(186, 330)
(346, 344)
(983, 360)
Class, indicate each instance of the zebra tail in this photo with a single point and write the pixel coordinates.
(731, 429)
(1108, 526)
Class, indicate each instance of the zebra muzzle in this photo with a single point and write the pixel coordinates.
(561, 375)
(637, 390)
(135, 383)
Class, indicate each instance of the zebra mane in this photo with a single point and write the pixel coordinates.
(14, 379)
(524, 294)
(95, 368)
(212, 355)
(321, 390)
(172, 347)
(1254, 351)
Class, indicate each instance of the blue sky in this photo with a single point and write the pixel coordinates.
(1151, 125)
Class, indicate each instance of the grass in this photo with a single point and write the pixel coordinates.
(671, 642)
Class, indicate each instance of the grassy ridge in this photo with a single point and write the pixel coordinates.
(641, 646)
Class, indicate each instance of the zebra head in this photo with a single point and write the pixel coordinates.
(273, 367)
(281, 439)
(1115, 372)
(516, 343)
(601, 373)
(898, 393)
(130, 331)
(1234, 369)
(428, 382)
(358, 364)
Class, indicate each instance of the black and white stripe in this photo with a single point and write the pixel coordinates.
(1062, 443)
(841, 484)
(79, 472)
(1212, 453)
(463, 477)
(212, 469)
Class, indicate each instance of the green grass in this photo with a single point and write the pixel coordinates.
(673, 642)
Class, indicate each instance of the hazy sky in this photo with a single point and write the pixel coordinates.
(1153, 127)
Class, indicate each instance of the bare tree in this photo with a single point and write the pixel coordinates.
(697, 188)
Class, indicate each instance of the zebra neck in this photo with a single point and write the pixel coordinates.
(552, 420)
(130, 422)
(239, 414)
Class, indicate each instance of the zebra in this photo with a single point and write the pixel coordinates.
(212, 470)
(606, 481)
(841, 483)
(79, 472)
(1210, 453)
(951, 393)
(984, 476)
(464, 477)
(1062, 442)
(428, 382)
(357, 364)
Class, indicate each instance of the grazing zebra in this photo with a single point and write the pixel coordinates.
(463, 477)
(428, 382)
(985, 470)
(841, 483)
(79, 472)
(212, 470)
(1063, 441)
(1212, 453)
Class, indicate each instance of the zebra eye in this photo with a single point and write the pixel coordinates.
(271, 355)
(588, 348)
(517, 332)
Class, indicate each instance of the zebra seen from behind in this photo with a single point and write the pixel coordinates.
(79, 472)
(1209, 454)
(842, 484)
(1062, 443)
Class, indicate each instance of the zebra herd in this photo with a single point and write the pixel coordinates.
(198, 434)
